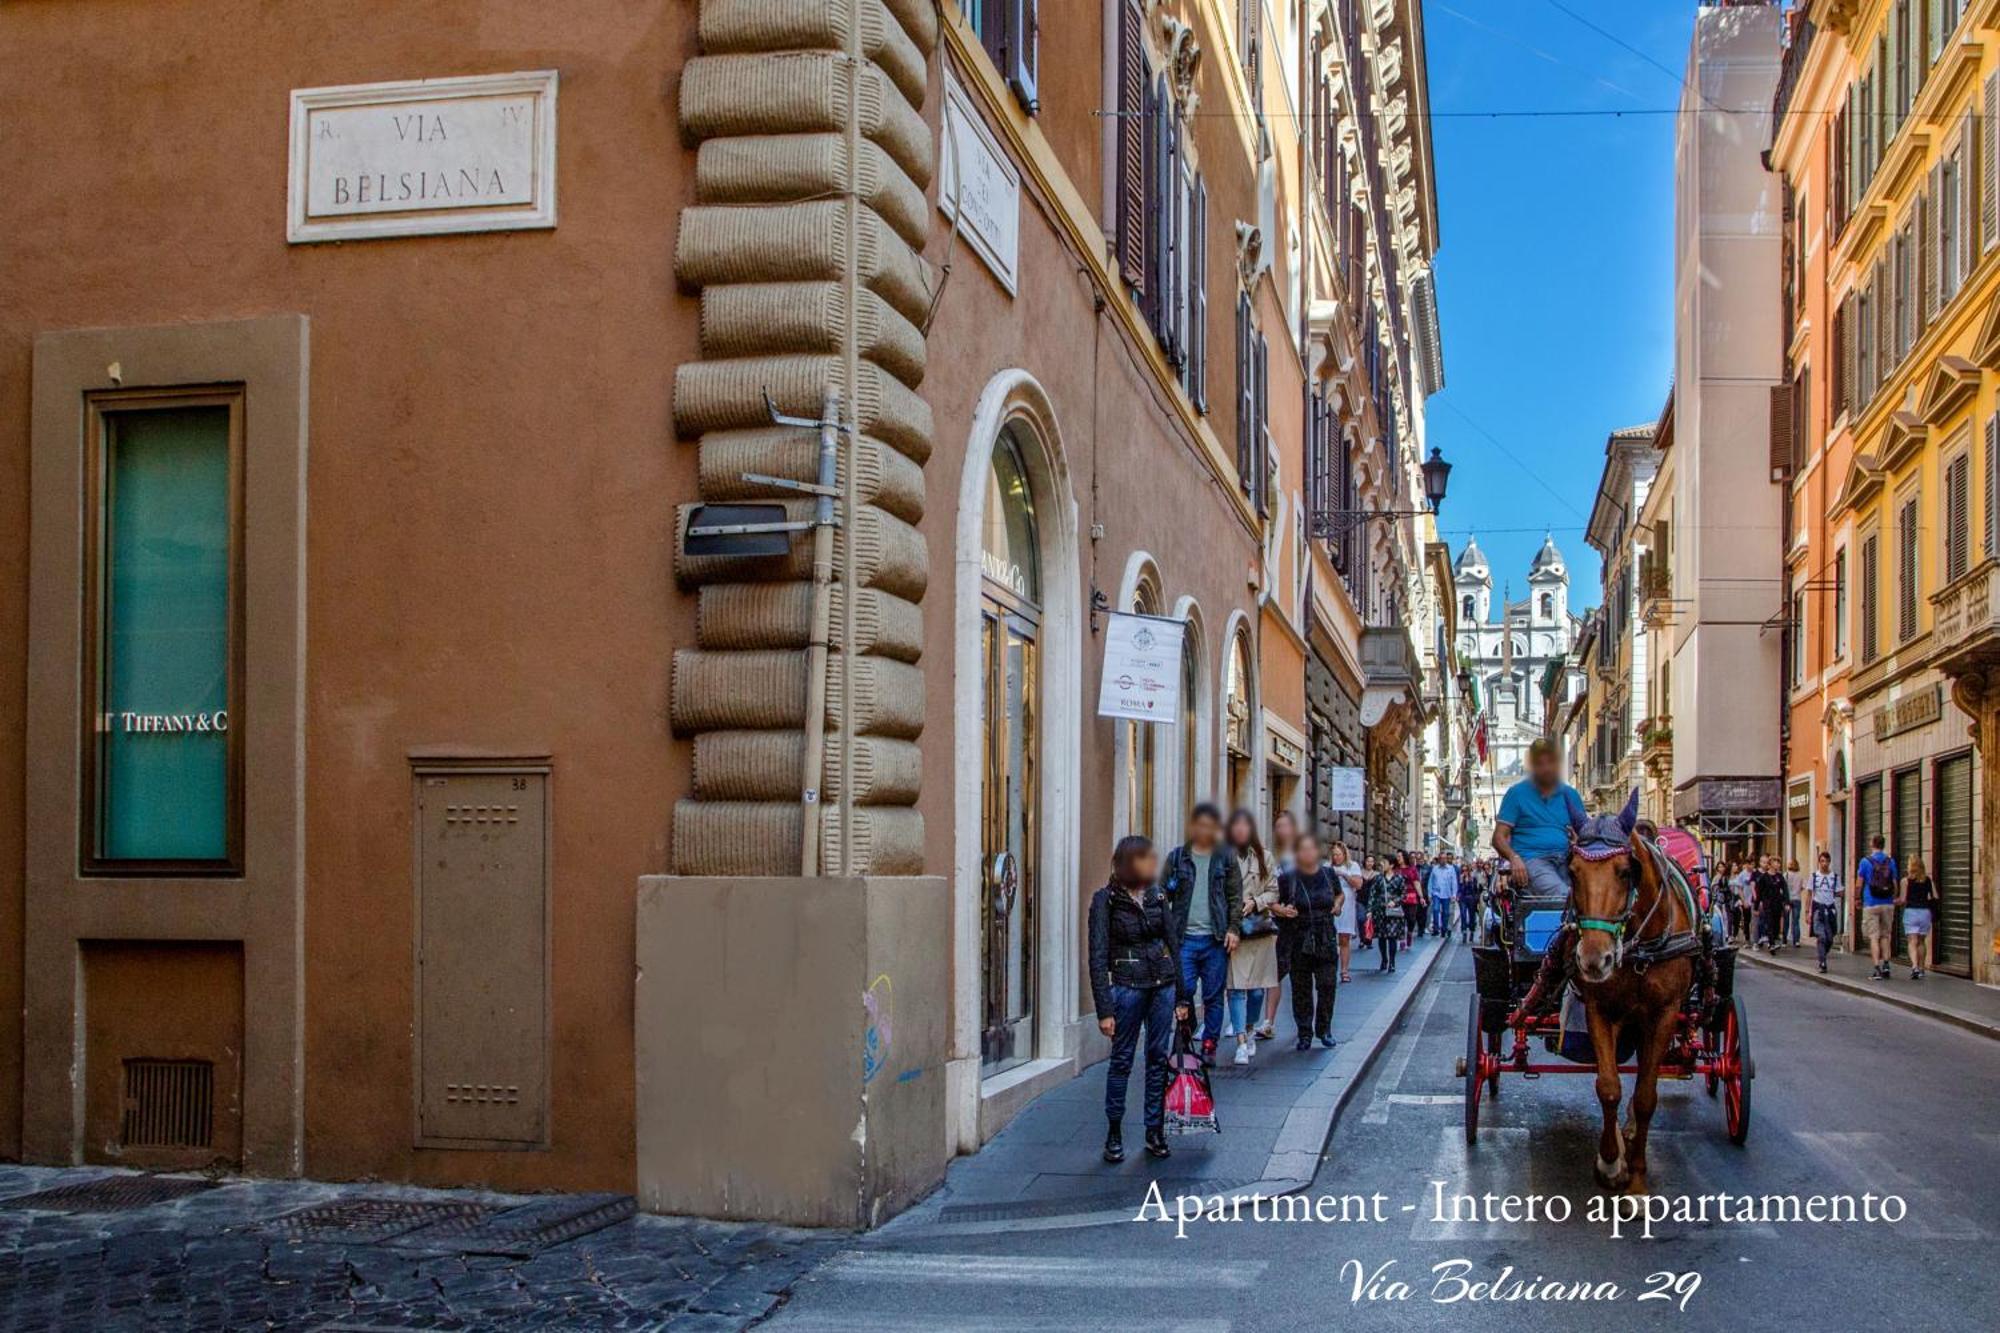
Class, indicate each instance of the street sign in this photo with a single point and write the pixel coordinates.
(1142, 669)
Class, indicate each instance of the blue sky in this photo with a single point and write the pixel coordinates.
(1555, 280)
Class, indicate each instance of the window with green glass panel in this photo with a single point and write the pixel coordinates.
(163, 762)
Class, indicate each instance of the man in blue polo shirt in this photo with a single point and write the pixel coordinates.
(1538, 819)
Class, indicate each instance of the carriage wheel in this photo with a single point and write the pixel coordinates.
(1493, 1050)
(1473, 1081)
(1736, 1072)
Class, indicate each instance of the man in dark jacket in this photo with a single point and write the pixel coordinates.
(1204, 887)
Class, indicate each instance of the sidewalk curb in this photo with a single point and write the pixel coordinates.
(1957, 1018)
(1311, 1122)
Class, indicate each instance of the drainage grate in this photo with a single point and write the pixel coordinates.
(366, 1221)
(168, 1104)
(110, 1194)
(526, 1230)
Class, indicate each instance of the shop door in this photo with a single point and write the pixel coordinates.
(1867, 824)
(1009, 907)
(1906, 840)
(1951, 864)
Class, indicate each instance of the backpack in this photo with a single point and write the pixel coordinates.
(1881, 876)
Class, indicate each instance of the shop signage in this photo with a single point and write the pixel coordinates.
(1735, 795)
(1347, 789)
(978, 187)
(1800, 798)
(423, 156)
(1909, 712)
(1142, 669)
(1285, 753)
(172, 724)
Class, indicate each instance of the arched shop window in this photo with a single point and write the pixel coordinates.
(1010, 631)
(1142, 746)
(1240, 724)
(1190, 735)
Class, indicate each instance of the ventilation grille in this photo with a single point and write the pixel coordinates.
(168, 1104)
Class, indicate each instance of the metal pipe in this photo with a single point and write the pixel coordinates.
(817, 640)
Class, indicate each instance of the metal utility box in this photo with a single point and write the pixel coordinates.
(482, 955)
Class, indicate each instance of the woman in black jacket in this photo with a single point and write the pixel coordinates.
(1310, 898)
(1135, 980)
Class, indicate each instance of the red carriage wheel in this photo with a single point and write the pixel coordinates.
(1493, 1053)
(1736, 1071)
(1473, 1072)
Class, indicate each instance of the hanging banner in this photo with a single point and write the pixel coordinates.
(1142, 669)
(1346, 789)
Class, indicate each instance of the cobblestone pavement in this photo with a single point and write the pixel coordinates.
(214, 1260)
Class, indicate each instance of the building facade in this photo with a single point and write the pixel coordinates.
(1622, 722)
(1894, 344)
(1507, 651)
(1715, 530)
(410, 749)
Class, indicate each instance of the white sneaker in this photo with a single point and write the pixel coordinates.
(1245, 1048)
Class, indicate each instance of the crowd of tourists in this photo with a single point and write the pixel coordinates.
(1208, 934)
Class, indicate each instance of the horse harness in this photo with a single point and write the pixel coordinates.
(1630, 942)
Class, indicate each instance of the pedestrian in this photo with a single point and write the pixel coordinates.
(1920, 902)
(1876, 877)
(1311, 897)
(1468, 901)
(1826, 910)
(1742, 895)
(1204, 886)
(1137, 984)
(1795, 893)
(1349, 872)
(1253, 967)
(1444, 894)
(1769, 894)
(1413, 898)
(1284, 831)
(1385, 912)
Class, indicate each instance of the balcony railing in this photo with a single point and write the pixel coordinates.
(1794, 66)
(1966, 631)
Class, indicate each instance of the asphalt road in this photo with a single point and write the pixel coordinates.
(1852, 1097)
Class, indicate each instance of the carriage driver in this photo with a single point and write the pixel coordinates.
(1538, 821)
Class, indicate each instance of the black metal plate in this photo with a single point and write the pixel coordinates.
(110, 1194)
(368, 1221)
(526, 1230)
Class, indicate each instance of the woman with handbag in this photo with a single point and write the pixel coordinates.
(1385, 912)
(1136, 985)
(1253, 967)
(1311, 898)
(1284, 832)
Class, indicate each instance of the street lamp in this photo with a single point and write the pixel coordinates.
(1331, 523)
(1437, 474)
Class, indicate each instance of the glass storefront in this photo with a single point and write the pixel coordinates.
(162, 615)
(1010, 620)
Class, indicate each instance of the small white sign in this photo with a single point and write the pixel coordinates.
(422, 157)
(978, 187)
(1347, 789)
(1142, 669)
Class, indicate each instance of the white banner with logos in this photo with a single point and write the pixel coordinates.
(1142, 669)
(1346, 789)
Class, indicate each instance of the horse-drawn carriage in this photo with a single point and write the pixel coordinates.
(1529, 986)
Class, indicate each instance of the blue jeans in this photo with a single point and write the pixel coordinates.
(1441, 914)
(1132, 1008)
(1246, 1009)
(1206, 962)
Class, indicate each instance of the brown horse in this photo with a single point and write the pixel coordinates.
(1633, 967)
